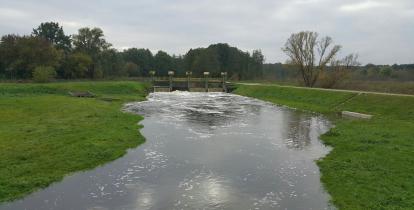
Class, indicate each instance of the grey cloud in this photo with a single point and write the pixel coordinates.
(380, 31)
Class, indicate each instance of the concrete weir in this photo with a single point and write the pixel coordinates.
(356, 115)
(188, 83)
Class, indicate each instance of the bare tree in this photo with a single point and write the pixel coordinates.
(350, 61)
(310, 54)
(338, 70)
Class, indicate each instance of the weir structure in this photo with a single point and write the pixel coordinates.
(189, 83)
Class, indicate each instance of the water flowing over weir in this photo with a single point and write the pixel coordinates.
(204, 151)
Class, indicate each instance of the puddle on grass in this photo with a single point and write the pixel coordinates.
(203, 151)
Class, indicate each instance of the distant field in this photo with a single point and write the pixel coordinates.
(46, 134)
(380, 86)
(375, 86)
(371, 165)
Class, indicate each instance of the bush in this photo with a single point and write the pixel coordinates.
(44, 73)
(132, 69)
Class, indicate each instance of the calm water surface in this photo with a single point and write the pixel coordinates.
(203, 151)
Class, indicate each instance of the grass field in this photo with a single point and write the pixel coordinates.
(45, 134)
(387, 86)
(380, 86)
(371, 165)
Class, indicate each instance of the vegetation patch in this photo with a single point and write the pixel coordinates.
(371, 165)
(45, 134)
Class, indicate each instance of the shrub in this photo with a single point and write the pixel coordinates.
(132, 69)
(43, 73)
(331, 79)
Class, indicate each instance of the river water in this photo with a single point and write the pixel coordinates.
(203, 151)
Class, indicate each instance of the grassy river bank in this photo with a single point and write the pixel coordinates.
(371, 165)
(45, 134)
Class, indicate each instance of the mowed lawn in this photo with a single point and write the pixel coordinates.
(45, 134)
(371, 165)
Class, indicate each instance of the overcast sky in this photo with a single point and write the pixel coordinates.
(380, 31)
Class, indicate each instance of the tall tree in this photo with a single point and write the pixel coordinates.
(92, 43)
(207, 61)
(54, 33)
(141, 57)
(163, 63)
(310, 54)
(190, 58)
(218, 58)
(111, 64)
(256, 64)
(8, 53)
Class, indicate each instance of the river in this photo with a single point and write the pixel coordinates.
(203, 151)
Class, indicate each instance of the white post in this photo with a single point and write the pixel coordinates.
(171, 74)
(206, 74)
(224, 76)
(188, 73)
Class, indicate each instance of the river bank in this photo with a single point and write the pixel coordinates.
(371, 165)
(45, 134)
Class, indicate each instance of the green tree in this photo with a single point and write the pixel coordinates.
(207, 61)
(20, 55)
(92, 43)
(132, 69)
(44, 74)
(76, 65)
(163, 63)
(111, 64)
(190, 58)
(256, 65)
(218, 58)
(141, 57)
(54, 33)
(179, 65)
(8, 53)
(386, 71)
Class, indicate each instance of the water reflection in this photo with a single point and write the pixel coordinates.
(203, 151)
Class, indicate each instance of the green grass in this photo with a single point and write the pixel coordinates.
(371, 165)
(45, 134)
(387, 86)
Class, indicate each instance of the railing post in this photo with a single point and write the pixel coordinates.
(224, 77)
(170, 75)
(188, 73)
(206, 74)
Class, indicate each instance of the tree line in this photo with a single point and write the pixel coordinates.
(49, 53)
